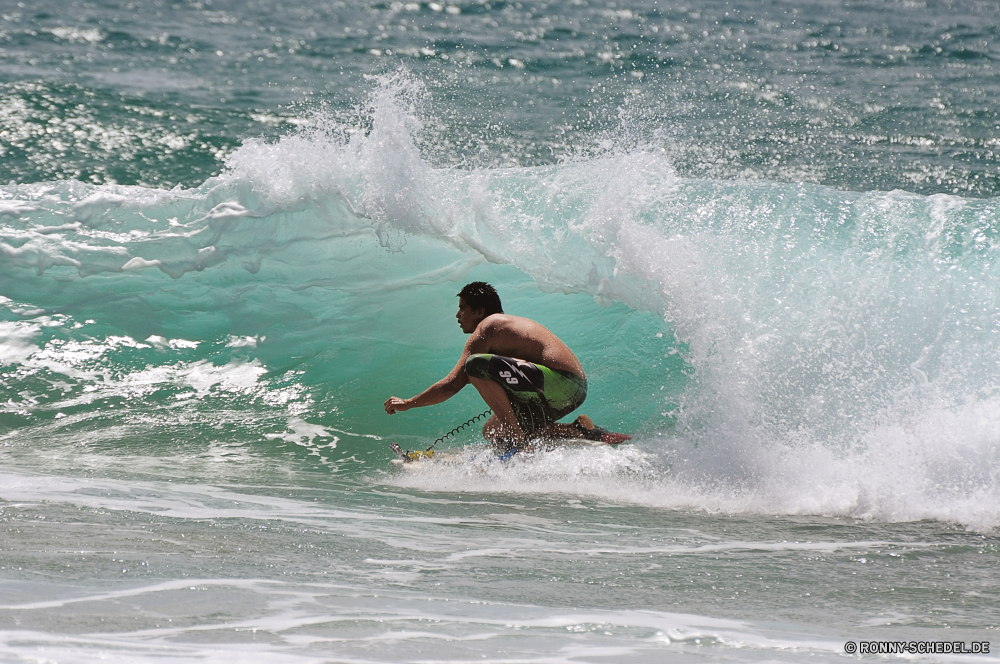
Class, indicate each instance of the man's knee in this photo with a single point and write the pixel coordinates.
(478, 366)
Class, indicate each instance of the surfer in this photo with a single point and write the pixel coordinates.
(524, 373)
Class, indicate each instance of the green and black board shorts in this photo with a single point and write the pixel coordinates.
(538, 395)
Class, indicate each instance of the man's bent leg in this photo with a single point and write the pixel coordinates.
(502, 429)
(558, 430)
(582, 427)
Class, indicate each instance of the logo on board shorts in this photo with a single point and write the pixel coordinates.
(507, 376)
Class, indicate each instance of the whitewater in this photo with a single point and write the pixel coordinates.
(219, 257)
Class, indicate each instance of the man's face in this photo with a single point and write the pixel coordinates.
(467, 318)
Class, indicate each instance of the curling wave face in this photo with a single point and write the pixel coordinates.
(778, 347)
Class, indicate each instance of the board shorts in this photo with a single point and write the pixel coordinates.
(538, 395)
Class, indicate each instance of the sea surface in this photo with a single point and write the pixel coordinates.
(230, 230)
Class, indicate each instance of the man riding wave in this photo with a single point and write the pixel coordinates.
(524, 373)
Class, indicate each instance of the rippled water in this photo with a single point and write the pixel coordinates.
(232, 230)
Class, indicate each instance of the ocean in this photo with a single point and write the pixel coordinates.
(229, 231)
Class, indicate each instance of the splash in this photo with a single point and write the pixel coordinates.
(798, 349)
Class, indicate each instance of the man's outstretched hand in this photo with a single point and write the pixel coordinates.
(395, 405)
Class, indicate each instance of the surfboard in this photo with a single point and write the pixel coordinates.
(422, 458)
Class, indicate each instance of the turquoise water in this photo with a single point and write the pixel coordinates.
(231, 231)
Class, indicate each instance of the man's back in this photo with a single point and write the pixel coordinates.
(523, 338)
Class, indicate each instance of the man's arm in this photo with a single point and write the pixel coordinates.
(445, 388)
(440, 391)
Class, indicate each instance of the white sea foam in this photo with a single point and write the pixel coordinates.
(314, 622)
(15, 208)
(939, 470)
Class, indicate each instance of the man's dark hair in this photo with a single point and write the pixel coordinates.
(480, 295)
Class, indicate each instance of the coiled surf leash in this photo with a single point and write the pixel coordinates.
(408, 456)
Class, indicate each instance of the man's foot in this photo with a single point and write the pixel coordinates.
(591, 431)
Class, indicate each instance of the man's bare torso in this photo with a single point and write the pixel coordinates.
(524, 339)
